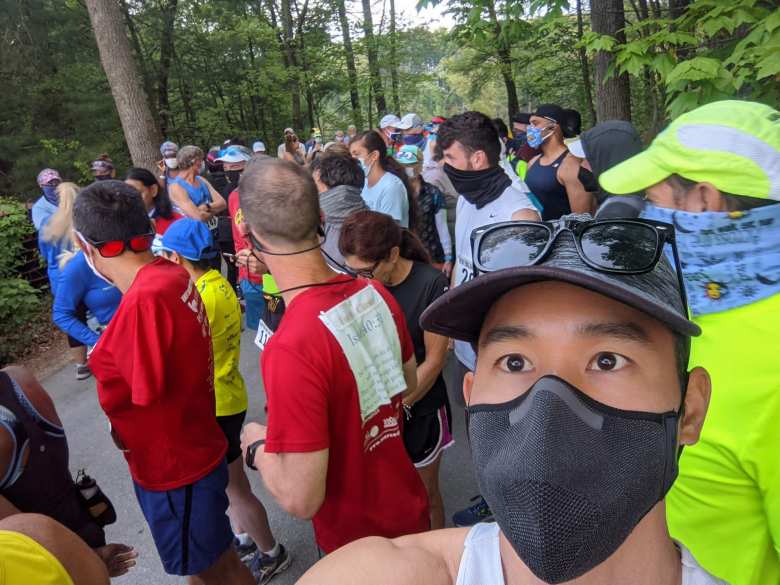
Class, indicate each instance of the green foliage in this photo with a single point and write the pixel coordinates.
(716, 49)
(14, 228)
(19, 301)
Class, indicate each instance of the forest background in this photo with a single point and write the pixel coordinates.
(200, 71)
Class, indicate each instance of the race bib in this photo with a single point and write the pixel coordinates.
(263, 335)
(364, 328)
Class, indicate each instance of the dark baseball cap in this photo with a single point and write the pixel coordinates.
(522, 118)
(551, 112)
(460, 312)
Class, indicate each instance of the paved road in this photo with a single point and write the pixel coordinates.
(91, 448)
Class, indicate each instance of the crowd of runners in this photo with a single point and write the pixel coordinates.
(612, 308)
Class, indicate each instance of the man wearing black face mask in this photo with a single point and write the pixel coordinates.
(578, 407)
(471, 148)
(233, 159)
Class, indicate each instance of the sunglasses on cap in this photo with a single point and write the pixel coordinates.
(617, 246)
(113, 248)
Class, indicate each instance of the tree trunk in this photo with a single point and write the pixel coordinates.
(292, 59)
(504, 54)
(166, 56)
(394, 59)
(138, 49)
(585, 68)
(373, 63)
(613, 95)
(354, 95)
(141, 133)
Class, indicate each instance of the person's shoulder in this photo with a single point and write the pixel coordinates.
(161, 277)
(427, 273)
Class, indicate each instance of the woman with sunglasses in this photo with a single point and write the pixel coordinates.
(375, 246)
(84, 303)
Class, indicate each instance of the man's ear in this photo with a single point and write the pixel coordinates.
(173, 257)
(697, 400)
(704, 197)
(479, 159)
(468, 383)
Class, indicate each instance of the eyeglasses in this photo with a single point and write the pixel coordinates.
(364, 272)
(113, 248)
(619, 246)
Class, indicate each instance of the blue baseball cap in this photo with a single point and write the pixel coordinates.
(190, 239)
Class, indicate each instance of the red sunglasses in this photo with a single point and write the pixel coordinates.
(113, 248)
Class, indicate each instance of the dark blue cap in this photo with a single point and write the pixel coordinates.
(189, 238)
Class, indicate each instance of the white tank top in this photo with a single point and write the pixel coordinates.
(481, 560)
(467, 219)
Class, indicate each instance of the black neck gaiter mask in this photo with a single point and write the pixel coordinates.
(569, 478)
(479, 187)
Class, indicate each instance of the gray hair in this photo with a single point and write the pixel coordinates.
(187, 156)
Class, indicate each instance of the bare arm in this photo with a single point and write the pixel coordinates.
(218, 202)
(181, 200)
(526, 215)
(429, 370)
(580, 200)
(296, 480)
(410, 377)
(431, 558)
(80, 561)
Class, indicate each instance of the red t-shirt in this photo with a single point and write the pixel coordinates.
(155, 380)
(313, 404)
(161, 224)
(241, 241)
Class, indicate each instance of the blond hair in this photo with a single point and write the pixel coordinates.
(59, 228)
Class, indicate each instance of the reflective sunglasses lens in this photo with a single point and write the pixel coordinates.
(512, 245)
(141, 243)
(620, 246)
(112, 248)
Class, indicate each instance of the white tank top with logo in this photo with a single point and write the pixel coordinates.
(467, 219)
(481, 560)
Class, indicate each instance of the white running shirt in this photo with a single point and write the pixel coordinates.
(481, 560)
(467, 219)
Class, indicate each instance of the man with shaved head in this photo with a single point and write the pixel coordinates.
(335, 372)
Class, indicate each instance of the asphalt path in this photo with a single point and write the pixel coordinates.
(91, 448)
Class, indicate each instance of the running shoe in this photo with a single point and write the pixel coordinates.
(82, 371)
(478, 512)
(245, 551)
(265, 568)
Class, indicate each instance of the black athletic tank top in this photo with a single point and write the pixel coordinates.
(38, 479)
(542, 180)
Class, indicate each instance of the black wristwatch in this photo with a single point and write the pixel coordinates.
(250, 453)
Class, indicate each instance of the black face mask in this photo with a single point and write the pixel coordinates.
(233, 177)
(479, 187)
(569, 478)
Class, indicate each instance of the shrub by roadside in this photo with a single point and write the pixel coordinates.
(21, 307)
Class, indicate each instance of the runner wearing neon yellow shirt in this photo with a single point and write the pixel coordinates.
(715, 174)
(188, 242)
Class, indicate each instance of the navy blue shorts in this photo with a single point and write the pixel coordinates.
(189, 525)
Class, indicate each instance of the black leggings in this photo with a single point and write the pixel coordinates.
(81, 315)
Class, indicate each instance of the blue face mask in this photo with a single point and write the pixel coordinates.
(729, 259)
(393, 136)
(534, 136)
(50, 194)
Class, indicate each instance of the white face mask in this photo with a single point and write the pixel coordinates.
(171, 163)
(409, 172)
(85, 245)
(202, 168)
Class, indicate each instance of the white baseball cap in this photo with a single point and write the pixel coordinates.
(410, 120)
(258, 146)
(390, 121)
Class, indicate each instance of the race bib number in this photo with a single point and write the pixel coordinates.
(263, 335)
(364, 328)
